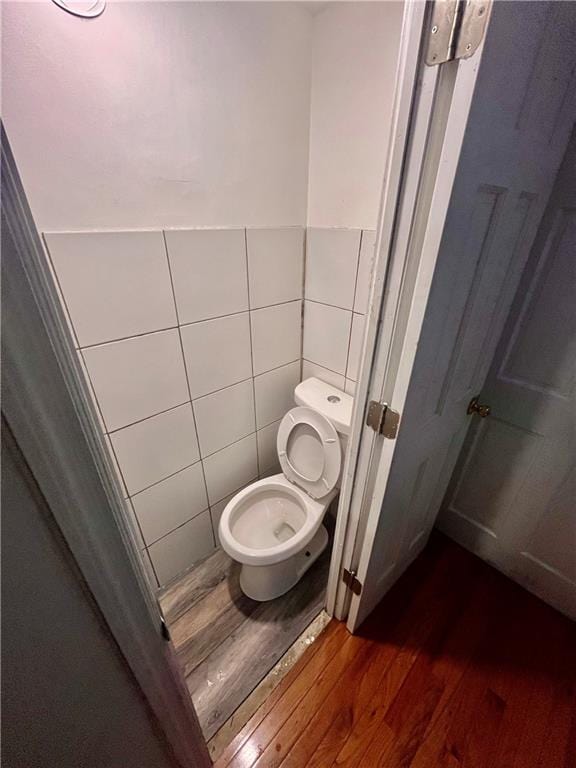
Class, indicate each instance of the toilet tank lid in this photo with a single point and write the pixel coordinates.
(330, 401)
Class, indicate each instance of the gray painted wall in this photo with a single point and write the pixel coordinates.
(68, 698)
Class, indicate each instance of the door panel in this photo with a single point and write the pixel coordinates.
(513, 497)
(510, 156)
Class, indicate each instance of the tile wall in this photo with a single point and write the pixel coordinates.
(337, 280)
(191, 341)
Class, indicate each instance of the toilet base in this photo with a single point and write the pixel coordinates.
(265, 582)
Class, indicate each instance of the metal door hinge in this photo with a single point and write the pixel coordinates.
(456, 29)
(349, 578)
(382, 419)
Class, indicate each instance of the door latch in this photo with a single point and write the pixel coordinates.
(382, 419)
(474, 406)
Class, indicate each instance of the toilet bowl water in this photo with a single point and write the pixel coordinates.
(264, 521)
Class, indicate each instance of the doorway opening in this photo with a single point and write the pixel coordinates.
(211, 246)
(213, 262)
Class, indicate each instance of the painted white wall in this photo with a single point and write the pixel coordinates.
(160, 114)
(354, 52)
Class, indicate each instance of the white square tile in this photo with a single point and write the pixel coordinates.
(275, 265)
(171, 502)
(183, 547)
(138, 377)
(208, 271)
(267, 448)
(274, 392)
(364, 271)
(331, 265)
(312, 369)
(217, 353)
(276, 335)
(225, 416)
(231, 468)
(356, 337)
(116, 284)
(326, 335)
(157, 447)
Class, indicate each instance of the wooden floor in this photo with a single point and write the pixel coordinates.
(225, 641)
(457, 667)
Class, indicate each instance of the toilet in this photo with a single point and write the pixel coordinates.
(273, 527)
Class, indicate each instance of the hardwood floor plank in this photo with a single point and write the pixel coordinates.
(352, 666)
(458, 663)
(407, 725)
(293, 687)
(557, 748)
(398, 603)
(330, 726)
(421, 633)
(457, 668)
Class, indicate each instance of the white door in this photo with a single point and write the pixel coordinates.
(512, 500)
(432, 365)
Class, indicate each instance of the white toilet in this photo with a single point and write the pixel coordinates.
(274, 526)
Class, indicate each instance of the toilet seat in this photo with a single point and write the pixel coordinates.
(309, 451)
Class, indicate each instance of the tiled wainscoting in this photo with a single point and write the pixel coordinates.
(191, 341)
(337, 281)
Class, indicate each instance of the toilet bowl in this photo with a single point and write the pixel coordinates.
(273, 527)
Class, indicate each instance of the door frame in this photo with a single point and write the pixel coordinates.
(429, 121)
(53, 420)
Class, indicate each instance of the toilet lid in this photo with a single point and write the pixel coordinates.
(309, 451)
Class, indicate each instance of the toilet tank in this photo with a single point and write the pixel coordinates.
(328, 400)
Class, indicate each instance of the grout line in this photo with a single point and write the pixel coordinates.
(334, 306)
(276, 304)
(336, 373)
(161, 480)
(200, 397)
(180, 325)
(187, 379)
(186, 374)
(357, 268)
(251, 343)
(277, 368)
(151, 416)
(353, 302)
(193, 464)
(349, 343)
(207, 509)
(208, 455)
(303, 282)
(127, 338)
(233, 493)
